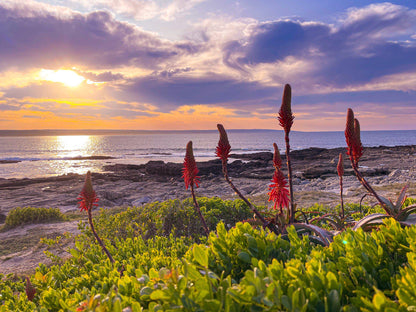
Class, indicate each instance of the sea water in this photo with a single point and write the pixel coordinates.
(31, 156)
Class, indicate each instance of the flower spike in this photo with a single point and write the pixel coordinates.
(278, 191)
(190, 171)
(285, 113)
(87, 197)
(223, 148)
(357, 147)
(352, 137)
(189, 174)
(277, 160)
(30, 290)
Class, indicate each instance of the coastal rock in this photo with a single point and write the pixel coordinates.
(159, 167)
(123, 184)
(141, 201)
(262, 156)
(395, 173)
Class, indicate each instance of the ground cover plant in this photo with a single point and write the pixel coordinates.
(168, 257)
(241, 269)
(30, 215)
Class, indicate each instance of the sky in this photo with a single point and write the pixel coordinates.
(190, 64)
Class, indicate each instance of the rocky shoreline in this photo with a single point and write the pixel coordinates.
(314, 170)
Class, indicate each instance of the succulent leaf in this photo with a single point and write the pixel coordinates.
(323, 234)
(373, 219)
(401, 199)
(388, 205)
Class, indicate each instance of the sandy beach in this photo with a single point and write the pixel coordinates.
(387, 169)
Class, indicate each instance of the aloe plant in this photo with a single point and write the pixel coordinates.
(396, 210)
(280, 193)
(189, 173)
(392, 210)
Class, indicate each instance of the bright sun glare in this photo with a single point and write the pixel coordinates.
(73, 145)
(65, 76)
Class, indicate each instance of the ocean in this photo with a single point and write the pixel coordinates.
(25, 154)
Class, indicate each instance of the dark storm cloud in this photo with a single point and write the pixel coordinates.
(32, 37)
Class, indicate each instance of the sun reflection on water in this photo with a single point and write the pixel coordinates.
(72, 149)
(73, 145)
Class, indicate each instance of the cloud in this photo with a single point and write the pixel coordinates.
(105, 76)
(35, 35)
(176, 7)
(142, 9)
(171, 93)
(356, 50)
(363, 60)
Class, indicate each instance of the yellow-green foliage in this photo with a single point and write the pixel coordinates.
(29, 215)
(241, 269)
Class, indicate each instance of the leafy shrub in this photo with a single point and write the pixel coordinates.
(29, 215)
(241, 269)
(170, 217)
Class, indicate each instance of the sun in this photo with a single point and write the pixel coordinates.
(65, 76)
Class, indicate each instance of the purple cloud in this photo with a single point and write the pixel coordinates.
(35, 37)
(358, 50)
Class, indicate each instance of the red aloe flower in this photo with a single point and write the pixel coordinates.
(349, 128)
(340, 166)
(87, 197)
(285, 113)
(357, 148)
(223, 148)
(30, 290)
(190, 171)
(278, 191)
(352, 137)
(277, 160)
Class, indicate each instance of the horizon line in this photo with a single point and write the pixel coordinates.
(45, 132)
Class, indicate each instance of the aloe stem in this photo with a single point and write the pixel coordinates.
(100, 242)
(365, 183)
(289, 178)
(255, 211)
(341, 195)
(201, 217)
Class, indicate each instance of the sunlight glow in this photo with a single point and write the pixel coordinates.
(65, 76)
(73, 145)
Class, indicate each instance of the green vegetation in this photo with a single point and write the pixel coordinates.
(239, 269)
(175, 217)
(30, 215)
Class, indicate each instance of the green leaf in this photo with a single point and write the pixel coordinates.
(334, 302)
(146, 291)
(159, 295)
(286, 302)
(201, 255)
(243, 256)
(74, 252)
